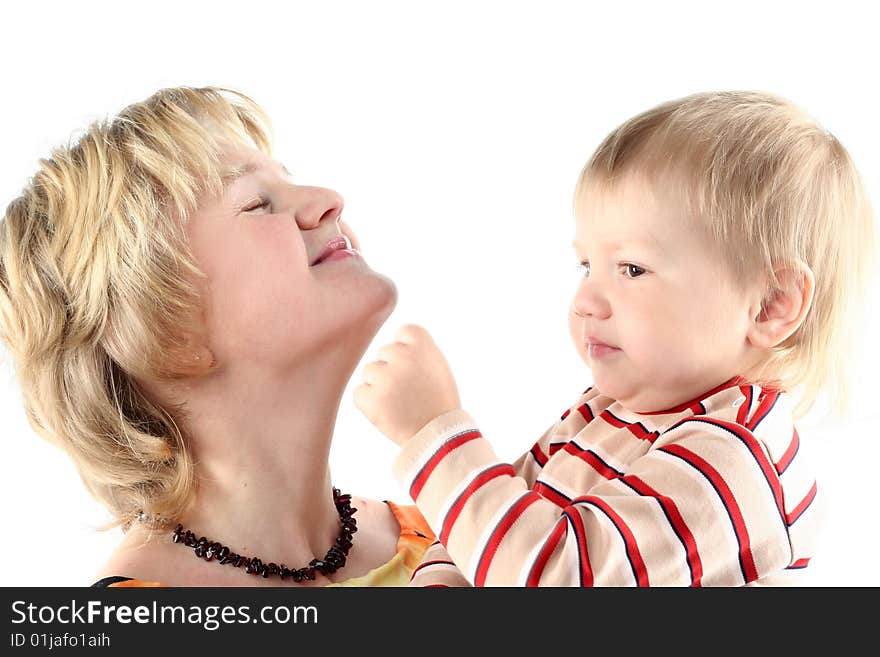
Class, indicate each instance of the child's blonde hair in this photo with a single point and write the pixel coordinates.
(97, 283)
(773, 188)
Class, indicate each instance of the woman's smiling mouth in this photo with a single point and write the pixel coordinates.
(336, 248)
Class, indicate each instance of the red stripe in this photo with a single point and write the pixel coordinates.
(513, 513)
(760, 456)
(551, 494)
(580, 536)
(441, 453)
(565, 415)
(594, 461)
(747, 560)
(544, 555)
(425, 564)
(800, 563)
(785, 461)
(555, 448)
(634, 428)
(678, 524)
(485, 476)
(743, 413)
(586, 413)
(800, 508)
(540, 456)
(632, 549)
(767, 402)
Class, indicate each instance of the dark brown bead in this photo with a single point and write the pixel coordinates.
(200, 551)
(273, 569)
(224, 552)
(248, 566)
(264, 571)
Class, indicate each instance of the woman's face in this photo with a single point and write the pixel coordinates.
(272, 296)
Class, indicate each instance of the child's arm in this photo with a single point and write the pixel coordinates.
(702, 506)
(437, 567)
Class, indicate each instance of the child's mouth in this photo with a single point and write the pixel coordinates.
(599, 350)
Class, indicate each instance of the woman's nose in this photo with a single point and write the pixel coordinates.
(316, 204)
(590, 301)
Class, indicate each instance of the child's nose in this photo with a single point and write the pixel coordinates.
(590, 301)
(312, 205)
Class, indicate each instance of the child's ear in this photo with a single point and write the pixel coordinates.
(783, 309)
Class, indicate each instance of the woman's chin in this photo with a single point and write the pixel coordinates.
(365, 307)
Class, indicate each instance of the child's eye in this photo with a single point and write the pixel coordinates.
(584, 268)
(632, 271)
(256, 205)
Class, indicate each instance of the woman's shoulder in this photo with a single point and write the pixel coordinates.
(137, 561)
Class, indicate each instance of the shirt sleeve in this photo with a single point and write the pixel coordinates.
(702, 506)
(437, 569)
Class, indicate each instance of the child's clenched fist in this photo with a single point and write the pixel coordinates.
(407, 386)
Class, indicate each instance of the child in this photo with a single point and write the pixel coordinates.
(724, 239)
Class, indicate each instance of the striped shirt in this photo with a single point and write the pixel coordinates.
(714, 492)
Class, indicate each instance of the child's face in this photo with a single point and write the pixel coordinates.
(656, 316)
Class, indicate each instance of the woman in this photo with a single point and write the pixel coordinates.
(184, 318)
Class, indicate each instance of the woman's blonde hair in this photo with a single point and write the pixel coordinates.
(97, 283)
(772, 188)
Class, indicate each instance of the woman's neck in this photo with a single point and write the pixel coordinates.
(261, 446)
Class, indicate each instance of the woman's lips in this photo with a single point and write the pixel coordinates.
(340, 253)
(338, 247)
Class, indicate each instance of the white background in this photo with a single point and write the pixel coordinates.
(455, 132)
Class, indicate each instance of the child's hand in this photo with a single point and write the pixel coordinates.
(407, 386)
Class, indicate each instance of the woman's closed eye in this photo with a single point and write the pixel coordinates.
(256, 204)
